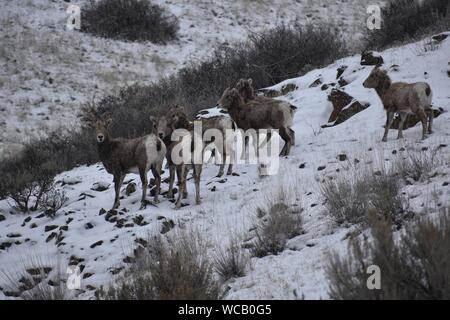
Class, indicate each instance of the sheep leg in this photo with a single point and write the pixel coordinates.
(156, 170)
(389, 121)
(423, 118)
(143, 175)
(285, 135)
(401, 125)
(430, 120)
(197, 174)
(118, 180)
(171, 180)
(181, 184)
(292, 132)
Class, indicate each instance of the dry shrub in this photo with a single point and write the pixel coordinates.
(175, 270)
(417, 266)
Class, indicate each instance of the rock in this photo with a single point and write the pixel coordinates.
(52, 236)
(115, 271)
(167, 225)
(100, 186)
(87, 275)
(33, 225)
(371, 58)
(50, 228)
(131, 188)
(213, 189)
(440, 37)
(139, 220)
(288, 88)
(412, 120)
(111, 216)
(342, 82)
(88, 226)
(445, 184)
(74, 260)
(96, 244)
(324, 87)
(2, 218)
(321, 168)
(5, 245)
(316, 83)
(344, 107)
(448, 73)
(69, 220)
(71, 181)
(340, 71)
(129, 259)
(342, 157)
(39, 271)
(101, 212)
(13, 235)
(302, 166)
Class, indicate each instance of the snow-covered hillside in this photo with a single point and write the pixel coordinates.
(82, 232)
(47, 72)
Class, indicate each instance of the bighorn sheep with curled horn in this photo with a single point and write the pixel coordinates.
(187, 140)
(402, 98)
(122, 156)
(260, 114)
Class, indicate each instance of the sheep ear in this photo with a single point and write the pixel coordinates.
(250, 81)
(108, 122)
(180, 108)
(152, 119)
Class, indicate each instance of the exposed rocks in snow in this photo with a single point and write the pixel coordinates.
(440, 37)
(371, 58)
(167, 225)
(100, 186)
(316, 83)
(2, 218)
(96, 244)
(340, 71)
(131, 188)
(50, 228)
(344, 107)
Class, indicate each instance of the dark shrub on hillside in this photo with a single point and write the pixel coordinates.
(415, 267)
(267, 58)
(133, 20)
(404, 20)
(29, 175)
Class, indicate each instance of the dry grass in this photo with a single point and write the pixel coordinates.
(172, 270)
(417, 266)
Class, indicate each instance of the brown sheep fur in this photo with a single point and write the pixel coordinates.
(165, 126)
(122, 156)
(260, 114)
(402, 98)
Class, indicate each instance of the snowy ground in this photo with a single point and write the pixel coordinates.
(298, 272)
(47, 72)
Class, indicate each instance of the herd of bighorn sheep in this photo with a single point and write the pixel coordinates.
(246, 111)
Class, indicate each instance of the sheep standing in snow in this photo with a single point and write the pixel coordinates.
(122, 156)
(402, 98)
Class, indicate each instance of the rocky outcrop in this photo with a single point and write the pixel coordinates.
(371, 58)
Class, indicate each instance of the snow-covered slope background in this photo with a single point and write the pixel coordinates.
(47, 72)
(81, 231)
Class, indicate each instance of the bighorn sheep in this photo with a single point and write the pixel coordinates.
(402, 98)
(121, 156)
(177, 118)
(246, 90)
(187, 140)
(260, 114)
